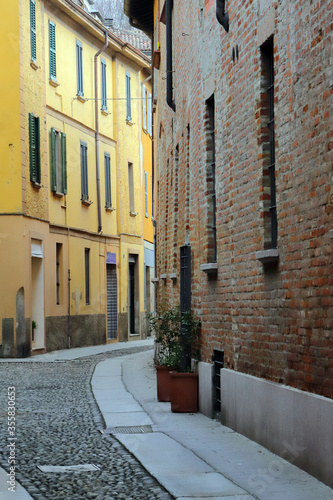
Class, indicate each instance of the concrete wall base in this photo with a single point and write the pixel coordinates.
(294, 424)
(205, 371)
(85, 330)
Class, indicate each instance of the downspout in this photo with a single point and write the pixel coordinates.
(169, 76)
(221, 15)
(98, 179)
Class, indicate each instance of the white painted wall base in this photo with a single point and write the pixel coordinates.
(205, 371)
(295, 425)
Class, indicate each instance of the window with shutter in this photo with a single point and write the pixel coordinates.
(131, 188)
(84, 172)
(103, 83)
(144, 108)
(107, 164)
(53, 141)
(34, 148)
(149, 113)
(128, 97)
(58, 162)
(33, 30)
(64, 162)
(52, 51)
(146, 194)
(79, 68)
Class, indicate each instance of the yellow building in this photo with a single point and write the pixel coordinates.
(72, 226)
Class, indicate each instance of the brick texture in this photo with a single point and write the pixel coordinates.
(274, 320)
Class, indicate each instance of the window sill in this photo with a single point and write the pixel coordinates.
(36, 185)
(34, 65)
(87, 203)
(267, 256)
(56, 194)
(105, 112)
(133, 214)
(54, 83)
(209, 268)
(81, 98)
(129, 122)
(163, 276)
(147, 216)
(331, 233)
(155, 281)
(110, 209)
(173, 276)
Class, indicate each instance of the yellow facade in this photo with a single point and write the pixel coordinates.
(71, 250)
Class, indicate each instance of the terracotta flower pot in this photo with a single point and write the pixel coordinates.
(184, 392)
(163, 383)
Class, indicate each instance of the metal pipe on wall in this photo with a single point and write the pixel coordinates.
(221, 15)
(98, 179)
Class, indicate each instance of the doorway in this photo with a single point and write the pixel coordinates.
(112, 314)
(37, 294)
(133, 295)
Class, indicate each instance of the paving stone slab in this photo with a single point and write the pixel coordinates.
(197, 486)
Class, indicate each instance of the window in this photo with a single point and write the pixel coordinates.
(52, 51)
(87, 273)
(128, 97)
(103, 83)
(34, 148)
(149, 114)
(79, 68)
(59, 270)
(144, 108)
(33, 30)
(84, 172)
(58, 162)
(268, 144)
(108, 203)
(146, 194)
(131, 188)
(211, 201)
(152, 193)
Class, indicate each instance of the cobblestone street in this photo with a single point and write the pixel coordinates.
(57, 423)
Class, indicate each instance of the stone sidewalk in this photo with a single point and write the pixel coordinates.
(192, 456)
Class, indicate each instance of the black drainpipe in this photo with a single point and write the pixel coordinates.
(221, 15)
(169, 77)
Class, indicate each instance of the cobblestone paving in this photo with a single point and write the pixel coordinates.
(57, 423)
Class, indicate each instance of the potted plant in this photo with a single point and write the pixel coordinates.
(183, 380)
(166, 326)
(34, 327)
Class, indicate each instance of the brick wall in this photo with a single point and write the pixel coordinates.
(272, 320)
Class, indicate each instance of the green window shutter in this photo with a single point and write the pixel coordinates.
(103, 82)
(64, 162)
(79, 68)
(52, 46)
(107, 180)
(84, 171)
(32, 147)
(33, 30)
(53, 161)
(128, 97)
(37, 143)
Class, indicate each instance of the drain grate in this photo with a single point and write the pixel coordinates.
(58, 469)
(138, 429)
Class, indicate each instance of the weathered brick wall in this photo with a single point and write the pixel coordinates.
(272, 321)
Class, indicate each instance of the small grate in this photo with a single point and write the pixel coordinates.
(218, 359)
(141, 429)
